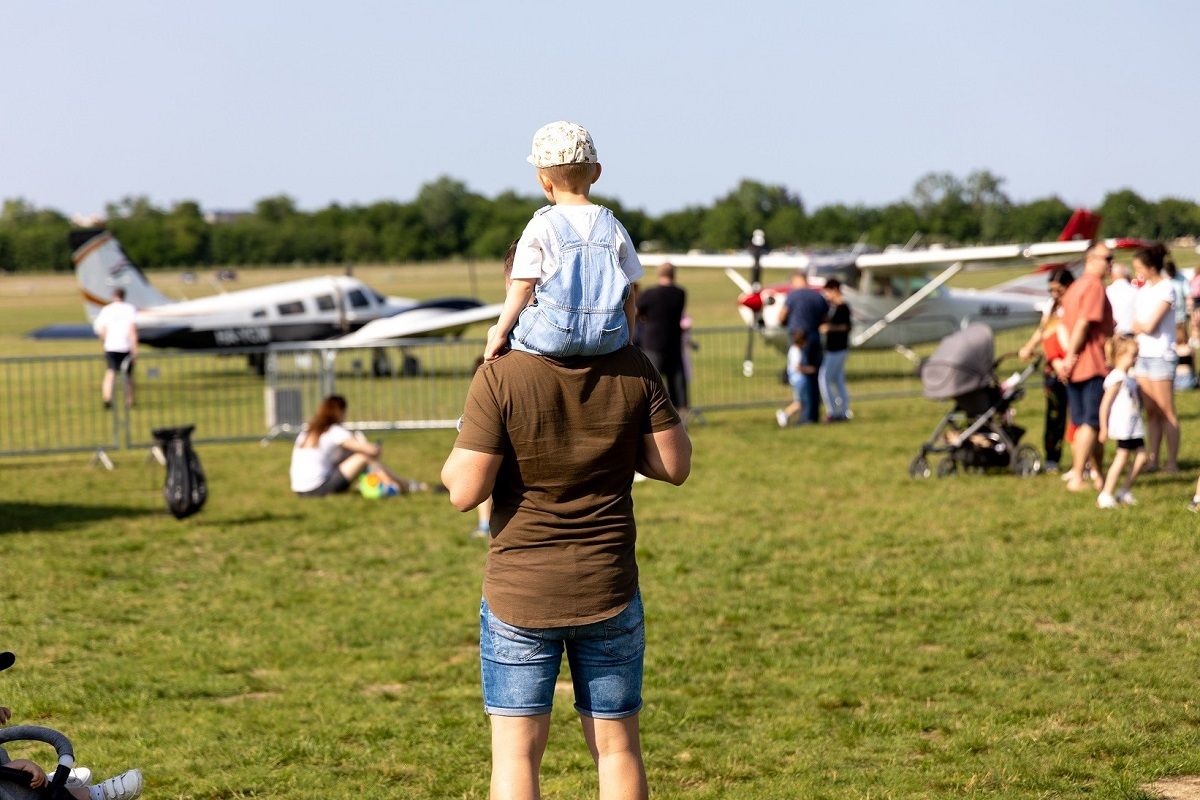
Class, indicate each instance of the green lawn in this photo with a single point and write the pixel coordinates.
(819, 626)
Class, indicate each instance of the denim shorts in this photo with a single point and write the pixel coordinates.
(519, 666)
(1083, 401)
(1156, 368)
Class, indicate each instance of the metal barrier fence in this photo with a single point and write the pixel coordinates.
(52, 404)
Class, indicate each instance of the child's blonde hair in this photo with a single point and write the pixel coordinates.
(1122, 346)
(574, 178)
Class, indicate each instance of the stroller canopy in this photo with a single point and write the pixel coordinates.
(962, 363)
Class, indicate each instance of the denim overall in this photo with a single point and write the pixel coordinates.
(580, 309)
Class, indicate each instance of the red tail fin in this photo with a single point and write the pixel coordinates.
(1082, 225)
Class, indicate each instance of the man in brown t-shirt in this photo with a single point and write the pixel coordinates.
(1088, 317)
(555, 443)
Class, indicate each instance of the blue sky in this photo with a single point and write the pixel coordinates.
(227, 102)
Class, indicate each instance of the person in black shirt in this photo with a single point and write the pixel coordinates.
(832, 375)
(659, 311)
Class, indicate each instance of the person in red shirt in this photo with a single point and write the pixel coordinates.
(1088, 317)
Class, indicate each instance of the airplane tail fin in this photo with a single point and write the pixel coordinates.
(101, 266)
(1082, 226)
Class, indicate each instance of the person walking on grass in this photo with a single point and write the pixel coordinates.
(116, 327)
(801, 374)
(555, 443)
(806, 309)
(1087, 315)
(1121, 421)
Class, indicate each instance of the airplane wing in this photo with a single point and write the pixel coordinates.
(422, 322)
(993, 254)
(791, 261)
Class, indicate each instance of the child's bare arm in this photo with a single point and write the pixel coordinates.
(515, 300)
(1110, 395)
(39, 775)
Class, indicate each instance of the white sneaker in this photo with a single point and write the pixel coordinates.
(126, 786)
(78, 778)
(781, 417)
(1126, 499)
(1106, 500)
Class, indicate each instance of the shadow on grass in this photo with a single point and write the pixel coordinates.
(21, 516)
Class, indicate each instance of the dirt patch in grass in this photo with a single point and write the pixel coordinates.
(1183, 787)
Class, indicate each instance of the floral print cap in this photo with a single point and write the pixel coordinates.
(562, 143)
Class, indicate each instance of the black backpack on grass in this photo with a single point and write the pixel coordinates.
(185, 488)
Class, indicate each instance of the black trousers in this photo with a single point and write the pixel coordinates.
(1056, 417)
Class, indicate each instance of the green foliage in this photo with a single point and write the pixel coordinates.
(447, 220)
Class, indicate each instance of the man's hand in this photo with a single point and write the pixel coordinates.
(1102, 436)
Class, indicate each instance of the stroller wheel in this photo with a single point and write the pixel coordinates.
(1027, 462)
(947, 467)
(919, 468)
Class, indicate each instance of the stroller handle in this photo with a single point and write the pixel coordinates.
(36, 733)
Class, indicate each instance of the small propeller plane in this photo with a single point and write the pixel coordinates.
(302, 310)
(897, 297)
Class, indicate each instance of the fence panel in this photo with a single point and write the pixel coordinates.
(52, 404)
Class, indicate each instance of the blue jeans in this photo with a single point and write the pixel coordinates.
(832, 380)
(519, 666)
(580, 309)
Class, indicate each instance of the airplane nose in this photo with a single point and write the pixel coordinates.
(752, 301)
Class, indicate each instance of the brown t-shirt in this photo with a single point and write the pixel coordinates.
(1086, 299)
(562, 545)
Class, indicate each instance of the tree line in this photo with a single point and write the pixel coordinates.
(447, 220)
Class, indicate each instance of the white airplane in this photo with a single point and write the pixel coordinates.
(302, 310)
(898, 297)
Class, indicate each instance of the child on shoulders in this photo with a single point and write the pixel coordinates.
(575, 261)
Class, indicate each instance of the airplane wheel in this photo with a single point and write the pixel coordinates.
(1027, 462)
(919, 468)
(947, 467)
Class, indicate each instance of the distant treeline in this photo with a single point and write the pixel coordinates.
(447, 220)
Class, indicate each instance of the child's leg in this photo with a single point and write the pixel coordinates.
(1114, 471)
(1139, 460)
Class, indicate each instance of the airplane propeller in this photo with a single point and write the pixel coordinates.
(758, 246)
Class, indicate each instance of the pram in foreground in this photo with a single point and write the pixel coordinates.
(978, 432)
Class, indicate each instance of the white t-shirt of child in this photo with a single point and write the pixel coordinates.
(1146, 304)
(312, 465)
(1125, 415)
(116, 320)
(537, 249)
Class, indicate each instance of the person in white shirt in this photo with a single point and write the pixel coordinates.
(1121, 421)
(1120, 296)
(1154, 325)
(116, 326)
(327, 457)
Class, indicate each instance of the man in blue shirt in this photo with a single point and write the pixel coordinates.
(805, 309)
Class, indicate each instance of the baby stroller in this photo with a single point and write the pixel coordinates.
(978, 432)
(56, 782)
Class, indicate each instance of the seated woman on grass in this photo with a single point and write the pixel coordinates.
(328, 457)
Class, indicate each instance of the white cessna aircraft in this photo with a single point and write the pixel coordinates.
(301, 310)
(898, 297)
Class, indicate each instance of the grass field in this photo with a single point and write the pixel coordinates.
(819, 625)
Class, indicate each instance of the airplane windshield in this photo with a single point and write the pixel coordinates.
(358, 299)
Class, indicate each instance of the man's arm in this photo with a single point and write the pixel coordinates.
(666, 455)
(1074, 346)
(470, 476)
(133, 340)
